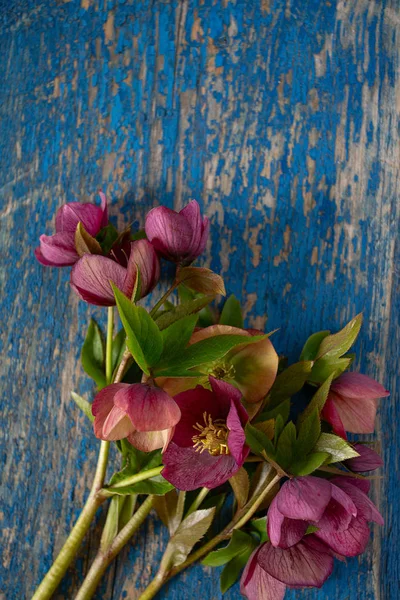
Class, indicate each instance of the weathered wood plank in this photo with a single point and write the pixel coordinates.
(281, 117)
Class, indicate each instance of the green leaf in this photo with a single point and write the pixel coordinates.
(189, 532)
(312, 345)
(258, 441)
(118, 348)
(157, 486)
(175, 338)
(139, 235)
(240, 542)
(93, 354)
(207, 351)
(336, 447)
(216, 502)
(290, 381)
(106, 238)
(317, 401)
(201, 280)
(182, 310)
(334, 346)
(260, 526)
(85, 243)
(144, 339)
(83, 404)
(309, 432)
(323, 368)
(170, 509)
(282, 409)
(309, 464)
(240, 484)
(232, 570)
(232, 313)
(279, 425)
(286, 445)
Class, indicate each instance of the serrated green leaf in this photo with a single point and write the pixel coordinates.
(336, 447)
(170, 509)
(93, 354)
(144, 339)
(310, 348)
(282, 409)
(232, 313)
(317, 401)
(240, 542)
(258, 441)
(83, 404)
(182, 310)
(207, 351)
(175, 338)
(260, 526)
(157, 486)
(334, 346)
(189, 532)
(286, 445)
(309, 432)
(290, 381)
(279, 425)
(309, 464)
(323, 368)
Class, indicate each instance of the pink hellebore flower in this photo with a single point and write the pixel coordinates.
(179, 237)
(59, 250)
(269, 570)
(145, 415)
(369, 460)
(92, 274)
(339, 509)
(208, 445)
(352, 403)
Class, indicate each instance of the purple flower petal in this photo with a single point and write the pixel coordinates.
(145, 257)
(330, 414)
(256, 584)
(91, 277)
(104, 209)
(369, 460)
(149, 408)
(366, 509)
(357, 414)
(169, 232)
(304, 498)
(69, 215)
(236, 437)
(356, 385)
(339, 512)
(193, 404)
(362, 484)
(308, 563)
(147, 441)
(103, 404)
(192, 214)
(188, 470)
(351, 542)
(57, 250)
(284, 532)
(116, 426)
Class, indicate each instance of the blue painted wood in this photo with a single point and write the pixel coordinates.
(281, 117)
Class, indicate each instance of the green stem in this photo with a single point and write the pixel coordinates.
(103, 559)
(163, 299)
(110, 329)
(58, 569)
(197, 501)
(131, 480)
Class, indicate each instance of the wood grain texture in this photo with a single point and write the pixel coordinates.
(282, 118)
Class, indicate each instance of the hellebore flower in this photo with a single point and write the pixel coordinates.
(252, 368)
(179, 237)
(338, 508)
(92, 274)
(208, 445)
(352, 403)
(269, 570)
(59, 250)
(368, 459)
(145, 415)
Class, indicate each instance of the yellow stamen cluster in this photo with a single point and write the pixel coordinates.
(212, 436)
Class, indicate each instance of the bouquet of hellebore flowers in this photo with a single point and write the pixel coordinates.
(198, 407)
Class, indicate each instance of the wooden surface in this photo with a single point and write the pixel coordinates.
(282, 118)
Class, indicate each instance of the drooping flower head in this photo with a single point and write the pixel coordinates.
(368, 460)
(251, 368)
(208, 445)
(338, 508)
(92, 275)
(59, 250)
(352, 404)
(143, 414)
(178, 236)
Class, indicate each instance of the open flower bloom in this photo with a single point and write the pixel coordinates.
(92, 274)
(368, 460)
(339, 508)
(352, 403)
(252, 368)
(269, 570)
(59, 250)
(145, 415)
(179, 237)
(208, 445)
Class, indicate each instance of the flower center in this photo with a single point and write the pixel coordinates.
(212, 436)
(223, 371)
